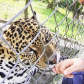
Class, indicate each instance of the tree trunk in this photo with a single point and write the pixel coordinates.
(26, 10)
(50, 4)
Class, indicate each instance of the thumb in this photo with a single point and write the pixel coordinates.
(69, 70)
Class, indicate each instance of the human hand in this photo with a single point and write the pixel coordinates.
(68, 66)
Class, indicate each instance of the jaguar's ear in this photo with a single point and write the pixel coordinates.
(34, 15)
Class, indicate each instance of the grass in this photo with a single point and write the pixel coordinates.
(9, 8)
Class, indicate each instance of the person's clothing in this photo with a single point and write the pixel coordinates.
(78, 79)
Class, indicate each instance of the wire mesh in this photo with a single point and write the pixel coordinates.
(69, 40)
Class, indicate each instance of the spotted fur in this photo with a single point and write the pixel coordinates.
(19, 35)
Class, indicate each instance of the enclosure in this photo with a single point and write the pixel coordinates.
(63, 17)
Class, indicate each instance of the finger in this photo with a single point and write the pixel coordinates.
(69, 76)
(69, 70)
(57, 67)
(65, 65)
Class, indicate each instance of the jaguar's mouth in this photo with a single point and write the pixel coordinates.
(53, 62)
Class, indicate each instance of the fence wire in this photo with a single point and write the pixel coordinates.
(69, 42)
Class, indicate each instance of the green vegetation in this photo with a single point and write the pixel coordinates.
(8, 8)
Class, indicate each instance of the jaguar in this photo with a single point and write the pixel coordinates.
(41, 53)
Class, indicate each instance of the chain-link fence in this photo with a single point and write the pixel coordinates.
(68, 37)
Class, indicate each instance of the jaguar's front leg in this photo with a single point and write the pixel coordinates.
(31, 73)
